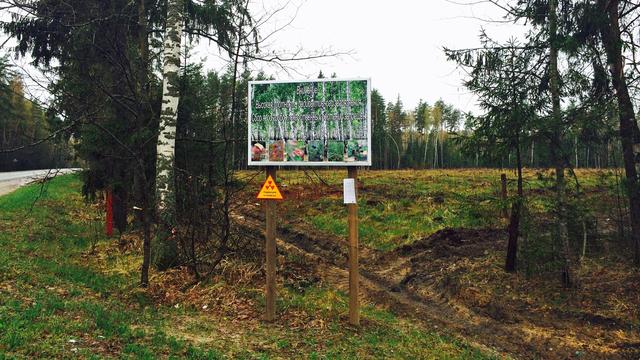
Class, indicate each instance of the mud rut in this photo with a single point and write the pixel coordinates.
(430, 307)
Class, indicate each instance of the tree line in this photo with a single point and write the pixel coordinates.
(25, 121)
(441, 136)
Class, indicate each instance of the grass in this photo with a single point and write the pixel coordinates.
(400, 207)
(65, 291)
(52, 305)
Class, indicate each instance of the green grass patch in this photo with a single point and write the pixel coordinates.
(400, 207)
(53, 304)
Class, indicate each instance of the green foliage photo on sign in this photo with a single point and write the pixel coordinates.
(325, 122)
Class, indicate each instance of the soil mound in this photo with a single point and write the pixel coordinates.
(427, 261)
(451, 242)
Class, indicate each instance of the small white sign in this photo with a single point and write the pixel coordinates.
(349, 191)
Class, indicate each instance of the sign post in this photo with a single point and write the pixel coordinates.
(270, 193)
(352, 208)
(323, 122)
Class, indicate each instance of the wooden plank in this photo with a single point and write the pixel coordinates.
(354, 304)
(270, 246)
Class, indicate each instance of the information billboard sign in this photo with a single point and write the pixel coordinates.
(323, 122)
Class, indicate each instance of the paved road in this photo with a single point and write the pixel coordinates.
(10, 181)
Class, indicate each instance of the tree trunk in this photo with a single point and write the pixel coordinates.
(141, 186)
(629, 132)
(141, 183)
(442, 146)
(426, 147)
(514, 222)
(587, 159)
(556, 148)
(165, 204)
(397, 149)
(170, 99)
(435, 149)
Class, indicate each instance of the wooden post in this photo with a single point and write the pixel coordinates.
(354, 305)
(270, 235)
(109, 209)
(503, 180)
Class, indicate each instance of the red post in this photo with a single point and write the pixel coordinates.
(109, 209)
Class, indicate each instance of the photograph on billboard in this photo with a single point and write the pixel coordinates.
(323, 122)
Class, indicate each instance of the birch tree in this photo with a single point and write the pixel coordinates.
(165, 204)
(170, 99)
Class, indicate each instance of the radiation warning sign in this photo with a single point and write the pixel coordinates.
(270, 190)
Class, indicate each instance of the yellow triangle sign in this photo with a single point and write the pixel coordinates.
(270, 190)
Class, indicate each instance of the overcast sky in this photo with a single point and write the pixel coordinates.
(398, 44)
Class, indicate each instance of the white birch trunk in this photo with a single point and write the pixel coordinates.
(533, 145)
(170, 99)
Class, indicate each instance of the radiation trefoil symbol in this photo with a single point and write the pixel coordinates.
(270, 190)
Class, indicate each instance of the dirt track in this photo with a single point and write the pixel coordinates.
(403, 281)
